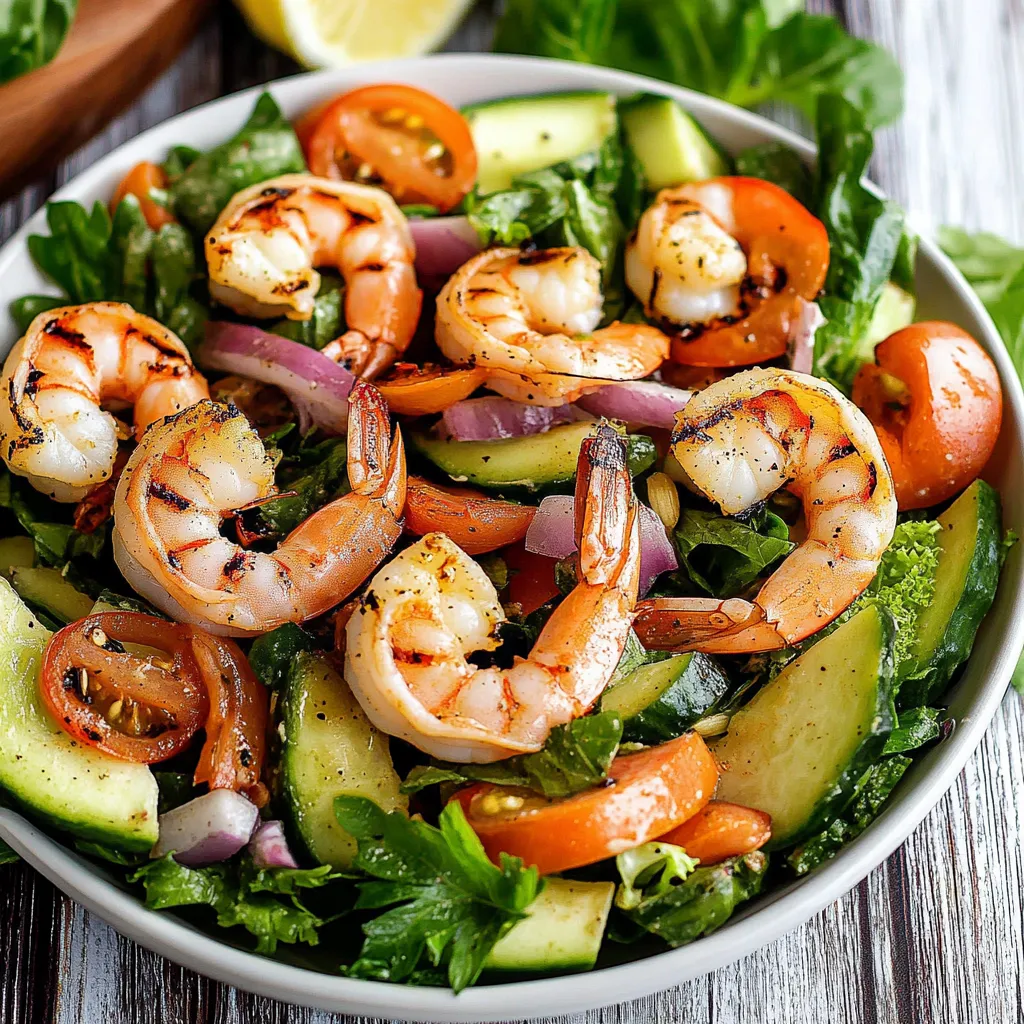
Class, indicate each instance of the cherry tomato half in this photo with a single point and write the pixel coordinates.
(146, 709)
(137, 182)
(531, 578)
(475, 522)
(406, 140)
(649, 793)
(411, 390)
(934, 399)
(722, 830)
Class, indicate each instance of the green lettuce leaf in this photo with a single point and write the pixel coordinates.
(264, 147)
(449, 903)
(575, 757)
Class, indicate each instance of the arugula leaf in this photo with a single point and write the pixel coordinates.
(695, 905)
(7, 855)
(575, 757)
(722, 555)
(748, 52)
(273, 654)
(871, 793)
(450, 904)
(264, 147)
(865, 237)
(31, 34)
(240, 896)
(780, 165)
(327, 321)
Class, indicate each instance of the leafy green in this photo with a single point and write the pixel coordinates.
(780, 165)
(273, 654)
(917, 726)
(871, 793)
(263, 903)
(995, 269)
(55, 543)
(449, 903)
(650, 870)
(748, 52)
(111, 854)
(682, 910)
(7, 855)
(31, 34)
(264, 147)
(176, 788)
(865, 237)
(95, 258)
(575, 757)
(327, 321)
(722, 555)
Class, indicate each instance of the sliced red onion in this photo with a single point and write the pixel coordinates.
(443, 244)
(269, 848)
(209, 829)
(552, 534)
(491, 417)
(801, 337)
(646, 402)
(317, 386)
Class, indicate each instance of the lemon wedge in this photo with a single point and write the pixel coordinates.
(332, 33)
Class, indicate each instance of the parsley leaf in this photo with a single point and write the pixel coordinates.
(449, 903)
(575, 757)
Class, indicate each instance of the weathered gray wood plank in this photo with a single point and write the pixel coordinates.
(936, 934)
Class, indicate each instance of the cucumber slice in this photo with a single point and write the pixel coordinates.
(671, 146)
(563, 931)
(965, 587)
(16, 551)
(328, 747)
(524, 133)
(798, 748)
(540, 461)
(660, 701)
(894, 311)
(47, 589)
(56, 779)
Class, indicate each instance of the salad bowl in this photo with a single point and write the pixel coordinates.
(297, 978)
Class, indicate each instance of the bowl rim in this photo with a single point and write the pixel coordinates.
(773, 916)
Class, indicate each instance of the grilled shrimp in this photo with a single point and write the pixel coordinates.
(740, 440)
(267, 241)
(73, 361)
(529, 319)
(430, 607)
(192, 472)
(728, 263)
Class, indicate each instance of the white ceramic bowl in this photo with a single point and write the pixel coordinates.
(943, 294)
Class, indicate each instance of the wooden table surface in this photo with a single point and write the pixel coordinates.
(936, 934)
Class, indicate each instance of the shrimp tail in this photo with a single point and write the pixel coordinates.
(376, 463)
(704, 624)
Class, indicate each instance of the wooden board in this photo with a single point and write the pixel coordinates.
(115, 48)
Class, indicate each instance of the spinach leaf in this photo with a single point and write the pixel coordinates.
(448, 902)
(24, 310)
(264, 147)
(241, 896)
(680, 910)
(575, 757)
(780, 165)
(865, 236)
(7, 855)
(722, 555)
(872, 792)
(748, 52)
(176, 788)
(273, 654)
(916, 727)
(31, 34)
(327, 321)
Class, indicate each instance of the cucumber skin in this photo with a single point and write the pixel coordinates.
(831, 805)
(505, 101)
(982, 579)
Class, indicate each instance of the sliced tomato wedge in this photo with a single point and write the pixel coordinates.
(531, 581)
(475, 522)
(934, 399)
(412, 390)
(137, 182)
(647, 794)
(721, 830)
(147, 708)
(409, 142)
